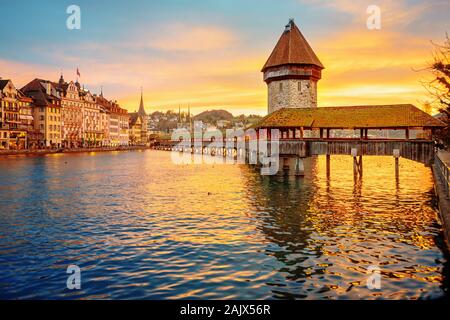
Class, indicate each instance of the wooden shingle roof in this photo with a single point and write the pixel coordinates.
(376, 116)
(292, 48)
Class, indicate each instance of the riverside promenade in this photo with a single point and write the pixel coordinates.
(62, 150)
(441, 168)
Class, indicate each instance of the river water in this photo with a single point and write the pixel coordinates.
(141, 227)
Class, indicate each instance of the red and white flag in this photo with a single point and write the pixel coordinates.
(78, 73)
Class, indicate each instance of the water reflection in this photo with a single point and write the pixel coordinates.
(142, 227)
(331, 226)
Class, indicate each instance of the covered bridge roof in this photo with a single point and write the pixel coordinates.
(375, 116)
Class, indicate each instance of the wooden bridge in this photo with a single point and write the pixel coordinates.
(375, 130)
(394, 130)
(420, 151)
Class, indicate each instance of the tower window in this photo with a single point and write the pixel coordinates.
(281, 86)
(299, 86)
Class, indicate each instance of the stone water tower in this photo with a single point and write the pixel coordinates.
(292, 72)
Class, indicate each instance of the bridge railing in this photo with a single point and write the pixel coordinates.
(443, 173)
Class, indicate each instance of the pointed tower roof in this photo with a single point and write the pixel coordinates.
(292, 48)
(141, 111)
(61, 79)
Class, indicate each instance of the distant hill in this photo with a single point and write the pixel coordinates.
(212, 116)
(168, 120)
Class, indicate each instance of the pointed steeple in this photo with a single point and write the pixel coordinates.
(292, 48)
(141, 111)
(61, 78)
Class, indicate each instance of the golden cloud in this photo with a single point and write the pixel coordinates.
(181, 37)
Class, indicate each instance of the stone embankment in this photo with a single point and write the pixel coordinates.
(441, 169)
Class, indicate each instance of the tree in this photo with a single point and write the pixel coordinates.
(439, 86)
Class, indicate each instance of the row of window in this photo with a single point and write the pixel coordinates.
(11, 117)
(51, 118)
(54, 127)
(300, 86)
(14, 104)
(74, 104)
(51, 110)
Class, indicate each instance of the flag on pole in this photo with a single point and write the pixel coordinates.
(78, 73)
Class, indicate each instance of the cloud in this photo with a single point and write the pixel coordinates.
(364, 67)
(369, 50)
(191, 38)
(21, 73)
(206, 66)
(393, 13)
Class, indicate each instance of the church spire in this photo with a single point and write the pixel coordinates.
(141, 111)
(61, 78)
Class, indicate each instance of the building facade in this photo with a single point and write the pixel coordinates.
(124, 127)
(63, 115)
(33, 135)
(46, 111)
(93, 131)
(72, 114)
(136, 135)
(15, 107)
(104, 127)
(292, 72)
(109, 119)
(116, 122)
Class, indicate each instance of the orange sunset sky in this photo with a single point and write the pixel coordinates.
(209, 53)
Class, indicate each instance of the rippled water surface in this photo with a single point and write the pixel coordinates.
(139, 226)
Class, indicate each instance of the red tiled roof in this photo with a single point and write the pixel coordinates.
(292, 48)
